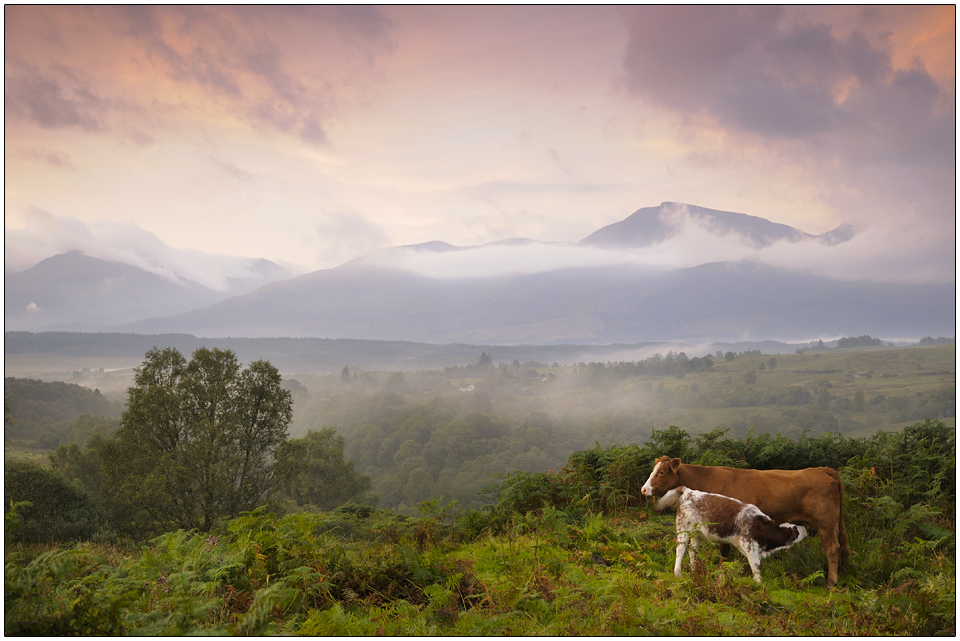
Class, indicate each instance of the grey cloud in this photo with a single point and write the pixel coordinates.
(908, 119)
(143, 25)
(365, 20)
(264, 60)
(51, 99)
(764, 104)
(312, 131)
(674, 54)
(754, 71)
(208, 69)
(60, 97)
(870, 64)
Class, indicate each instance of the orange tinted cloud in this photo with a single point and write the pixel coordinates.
(90, 66)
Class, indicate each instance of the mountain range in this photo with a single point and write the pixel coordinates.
(428, 293)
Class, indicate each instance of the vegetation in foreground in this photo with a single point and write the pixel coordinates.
(574, 551)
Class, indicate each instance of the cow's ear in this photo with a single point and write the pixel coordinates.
(675, 464)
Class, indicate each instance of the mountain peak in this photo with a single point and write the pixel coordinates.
(652, 225)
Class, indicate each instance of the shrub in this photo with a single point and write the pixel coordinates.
(59, 510)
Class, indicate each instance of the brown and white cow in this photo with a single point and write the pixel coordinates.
(812, 497)
(722, 519)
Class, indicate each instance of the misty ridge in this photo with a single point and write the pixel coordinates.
(674, 272)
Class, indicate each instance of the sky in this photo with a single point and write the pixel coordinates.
(310, 136)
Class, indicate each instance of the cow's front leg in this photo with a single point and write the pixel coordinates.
(682, 539)
(751, 550)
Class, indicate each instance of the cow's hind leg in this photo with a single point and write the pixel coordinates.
(694, 547)
(830, 540)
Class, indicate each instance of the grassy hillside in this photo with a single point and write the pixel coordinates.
(556, 553)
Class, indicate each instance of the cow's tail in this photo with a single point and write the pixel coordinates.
(844, 545)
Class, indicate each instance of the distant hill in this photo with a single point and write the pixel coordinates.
(77, 292)
(651, 225)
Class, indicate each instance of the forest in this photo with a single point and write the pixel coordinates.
(479, 499)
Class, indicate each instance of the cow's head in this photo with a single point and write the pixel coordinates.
(663, 478)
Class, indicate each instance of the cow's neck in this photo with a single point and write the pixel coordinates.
(691, 475)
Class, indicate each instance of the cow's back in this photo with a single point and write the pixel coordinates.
(810, 496)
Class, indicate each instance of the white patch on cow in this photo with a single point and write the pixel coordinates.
(647, 489)
(671, 498)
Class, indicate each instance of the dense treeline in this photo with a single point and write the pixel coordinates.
(563, 552)
(48, 414)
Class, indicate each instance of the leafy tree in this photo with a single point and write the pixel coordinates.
(318, 474)
(198, 442)
(81, 466)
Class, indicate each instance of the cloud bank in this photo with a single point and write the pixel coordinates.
(36, 235)
(867, 256)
